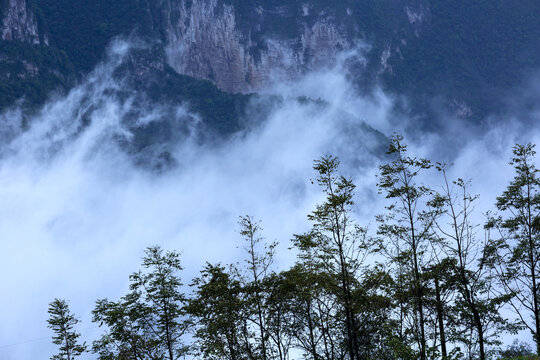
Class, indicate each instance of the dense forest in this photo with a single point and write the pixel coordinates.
(429, 281)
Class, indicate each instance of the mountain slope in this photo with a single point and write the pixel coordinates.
(466, 53)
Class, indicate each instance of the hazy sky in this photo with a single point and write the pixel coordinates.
(76, 215)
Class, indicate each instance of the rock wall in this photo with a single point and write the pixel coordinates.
(207, 40)
(244, 46)
(19, 23)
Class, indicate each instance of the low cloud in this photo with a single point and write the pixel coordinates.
(76, 211)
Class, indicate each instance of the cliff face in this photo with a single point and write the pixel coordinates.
(207, 39)
(29, 68)
(241, 47)
(467, 52)
(19, 23)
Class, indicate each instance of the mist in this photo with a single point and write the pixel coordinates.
(76, 210)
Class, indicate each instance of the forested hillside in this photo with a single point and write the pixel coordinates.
(461, 56)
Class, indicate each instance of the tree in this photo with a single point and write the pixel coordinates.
(438, 298)
(150, 321)
(335, 237)
(280, 325)
(517, 246)
(336, 249)
(316, 325)
(409, 227)
(518, 351)
(258, 263)
(62, 322)
(219, 311)
(130, 329)
(243, 314)
(476, 306)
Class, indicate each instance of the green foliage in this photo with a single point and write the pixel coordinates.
(408, 227)
(471, 50)
(260, 257)
(129, 329)
(150, 320)
(518, 351)
(515, 249)
(219, 307)
(426, 287)
(61, 321)
(97, 22)
(335, 249)
(31, 72)
(475, 309)
(220, 110)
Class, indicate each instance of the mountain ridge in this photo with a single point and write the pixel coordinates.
(467, 54)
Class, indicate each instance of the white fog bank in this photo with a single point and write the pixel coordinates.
(76, 214)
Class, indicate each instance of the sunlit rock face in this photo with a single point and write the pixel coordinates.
(19, 23)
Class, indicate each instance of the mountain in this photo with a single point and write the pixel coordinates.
(461, 54)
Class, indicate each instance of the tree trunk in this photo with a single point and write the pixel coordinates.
(532, 262)
(420, 303)
(349, 316)
(418, 289)
(535, 297)
(440, 318)
(68, 352)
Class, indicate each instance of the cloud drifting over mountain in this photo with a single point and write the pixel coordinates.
(76, 210)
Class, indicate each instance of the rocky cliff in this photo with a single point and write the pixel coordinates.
(465, 52)
(242, 46)
(29, 68)
(239, 45)
(207, 40)
(20, 23)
